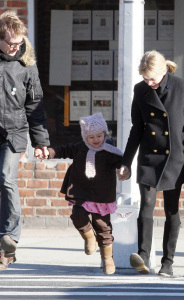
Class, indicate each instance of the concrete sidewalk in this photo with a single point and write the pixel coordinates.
(55, 251)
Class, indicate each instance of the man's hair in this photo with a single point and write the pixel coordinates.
(10, 21)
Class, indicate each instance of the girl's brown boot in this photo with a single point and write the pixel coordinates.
(90, 245)
(107, 259)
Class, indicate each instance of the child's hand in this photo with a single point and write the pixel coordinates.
(123, 173)
(45, 152)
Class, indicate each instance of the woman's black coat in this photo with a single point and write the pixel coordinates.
(158, 131)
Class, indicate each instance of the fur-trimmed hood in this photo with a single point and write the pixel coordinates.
(25, 54)
(28, 58)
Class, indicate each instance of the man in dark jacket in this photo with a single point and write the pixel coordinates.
(21, 110)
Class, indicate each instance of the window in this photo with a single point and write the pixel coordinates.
(101, 87)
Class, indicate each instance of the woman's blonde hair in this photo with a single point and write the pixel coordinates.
(10, 21)
(153, 63)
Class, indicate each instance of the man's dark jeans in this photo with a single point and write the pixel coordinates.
(10, 223)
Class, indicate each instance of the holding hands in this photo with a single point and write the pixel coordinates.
(41, 153)
(123, 173)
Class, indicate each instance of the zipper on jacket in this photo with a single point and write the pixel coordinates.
(33, 93)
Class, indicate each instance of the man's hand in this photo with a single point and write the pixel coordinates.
(123, 173)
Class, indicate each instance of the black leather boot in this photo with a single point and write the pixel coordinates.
(166, 269)
(140, 261)
(171, 232)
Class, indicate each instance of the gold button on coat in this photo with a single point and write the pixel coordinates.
(166, 132)
(153, 133)
(155, 150)
(164, 114)
(167, 151)
(152, 114)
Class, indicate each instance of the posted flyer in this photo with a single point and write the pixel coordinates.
(81, 25)
(102, 25)
(102, 102)
(81, 65)
(79, 104)
(102, 65)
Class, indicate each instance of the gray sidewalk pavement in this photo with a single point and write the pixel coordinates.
(60, 251)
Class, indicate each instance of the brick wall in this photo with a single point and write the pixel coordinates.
(159, 215)
(19, 6)
(42, 202)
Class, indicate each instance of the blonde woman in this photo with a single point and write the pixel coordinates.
(158, 131)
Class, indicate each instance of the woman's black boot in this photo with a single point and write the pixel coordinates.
(171, 232)
(140, 261)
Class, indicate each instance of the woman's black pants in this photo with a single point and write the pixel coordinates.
(145, 222)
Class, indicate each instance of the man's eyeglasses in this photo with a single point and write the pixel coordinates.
(13, 45)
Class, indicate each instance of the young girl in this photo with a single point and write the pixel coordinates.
(90, 186)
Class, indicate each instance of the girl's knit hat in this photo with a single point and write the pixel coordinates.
(92, 125)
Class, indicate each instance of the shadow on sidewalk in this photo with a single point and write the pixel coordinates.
(38, 269)
(58, 249)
